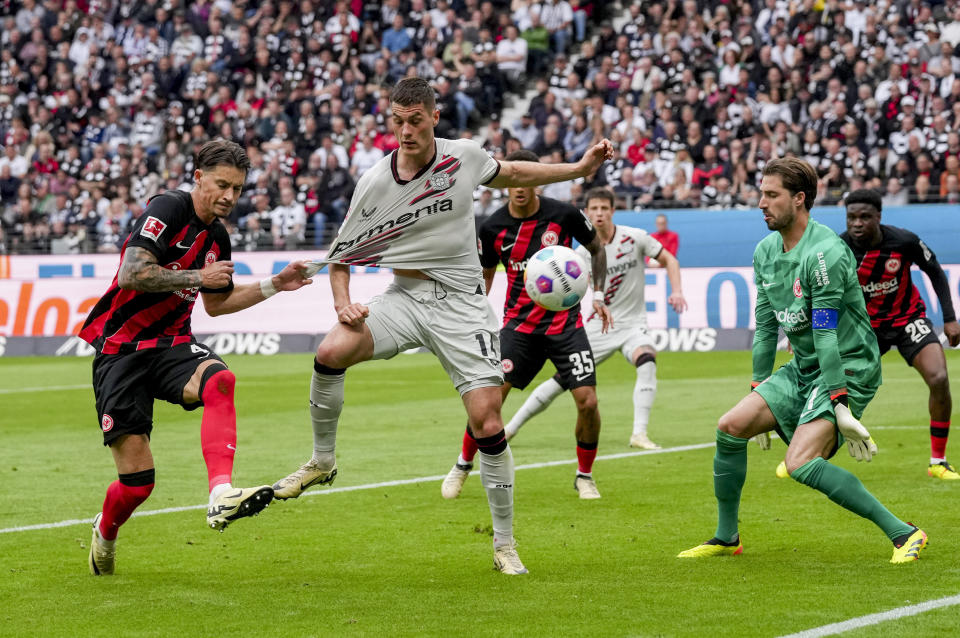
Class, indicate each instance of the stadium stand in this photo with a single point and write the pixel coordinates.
(102, 102)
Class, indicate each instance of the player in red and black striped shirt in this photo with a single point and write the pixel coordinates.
(146, 350)
(884, 255)
(531, 334)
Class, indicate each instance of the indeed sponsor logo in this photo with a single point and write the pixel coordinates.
(518, 265)
(792, 321)
(878, 288)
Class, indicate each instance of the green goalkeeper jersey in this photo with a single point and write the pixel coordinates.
(813, 294)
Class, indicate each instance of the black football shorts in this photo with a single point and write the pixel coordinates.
(523, 355)
(909, 339)
(125, 385)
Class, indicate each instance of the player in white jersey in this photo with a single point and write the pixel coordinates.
(627, 250)
(413, 212)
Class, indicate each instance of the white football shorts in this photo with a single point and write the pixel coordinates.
(460, 328)
(626, 339)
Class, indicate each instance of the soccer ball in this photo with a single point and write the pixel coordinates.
(555, 278)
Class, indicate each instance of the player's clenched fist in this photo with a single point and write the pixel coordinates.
(353, 314)
(216, 275)
(597, 155)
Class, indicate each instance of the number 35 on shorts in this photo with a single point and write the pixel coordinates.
(582, 362)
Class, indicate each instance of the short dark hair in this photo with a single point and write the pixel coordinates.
(522, 155)
(221, 152)
(797, 177)
(413, 92)
(865, 196)
(599, 192)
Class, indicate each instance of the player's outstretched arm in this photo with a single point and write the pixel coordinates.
(676, 298)
(598, 267)
(519, 174)
(292, 277)
(927, 261)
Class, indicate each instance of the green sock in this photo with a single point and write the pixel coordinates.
(729, 474)
(846, 490)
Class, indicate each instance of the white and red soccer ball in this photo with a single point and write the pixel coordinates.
(556, 278)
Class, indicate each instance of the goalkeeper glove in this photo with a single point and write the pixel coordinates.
(859, 442)
(763, 440)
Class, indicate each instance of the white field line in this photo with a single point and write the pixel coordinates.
(354, 488)
(45, 388)
(875, 619)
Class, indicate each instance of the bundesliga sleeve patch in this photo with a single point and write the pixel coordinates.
(153, 228)
(824, 319)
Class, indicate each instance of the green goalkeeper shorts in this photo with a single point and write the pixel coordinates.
(795, 402)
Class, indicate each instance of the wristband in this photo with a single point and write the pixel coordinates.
(839, 396)
(267, 289)
(598, 295)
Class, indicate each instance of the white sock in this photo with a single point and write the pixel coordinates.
(218, 490)
(496, 472)
(934, 461)
(326, 402)
(542, 396)
(105, 542)
(644, 392)
(462, 461)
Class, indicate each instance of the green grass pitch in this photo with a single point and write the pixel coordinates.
(400, 561)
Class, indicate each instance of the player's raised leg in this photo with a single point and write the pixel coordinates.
(588, 437)
(932, 366)
(644, 392)
(135, 479)
(751, 416)
(214, 384)
(496, 472)
(538, 401)
(810, 447)
(344, 346)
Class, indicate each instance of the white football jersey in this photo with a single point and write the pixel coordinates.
(425, 223)
(626, 275)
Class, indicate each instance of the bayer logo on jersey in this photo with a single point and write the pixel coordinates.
(555, 278)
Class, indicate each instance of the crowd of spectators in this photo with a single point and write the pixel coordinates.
(698, 96)
(102, 102)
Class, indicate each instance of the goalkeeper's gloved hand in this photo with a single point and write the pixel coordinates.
(762, 439)
(859, 442)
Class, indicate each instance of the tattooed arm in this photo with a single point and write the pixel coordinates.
(140, 271)
(598, 265)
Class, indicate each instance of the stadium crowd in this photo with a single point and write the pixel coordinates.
(102, 102)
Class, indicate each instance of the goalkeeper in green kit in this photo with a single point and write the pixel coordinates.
(807, 285)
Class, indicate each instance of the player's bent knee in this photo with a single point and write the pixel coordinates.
(223, 381)
(645, 357)
(729, 424)
(586, 402)
(939, 381)
(795, 461)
